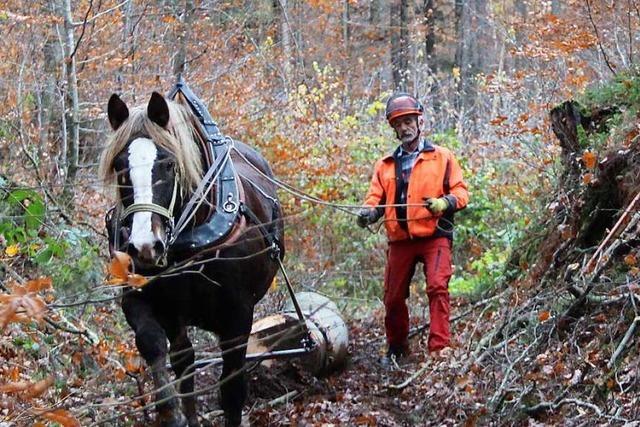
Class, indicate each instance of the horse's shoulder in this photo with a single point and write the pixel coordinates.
(249, 153)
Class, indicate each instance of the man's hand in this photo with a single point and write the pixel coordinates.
(436, 206)
(367, 216)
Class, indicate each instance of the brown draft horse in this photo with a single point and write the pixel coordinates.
(155, 159)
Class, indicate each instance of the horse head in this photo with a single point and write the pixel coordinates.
(147, 160)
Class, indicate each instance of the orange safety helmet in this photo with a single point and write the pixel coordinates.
(403, 104)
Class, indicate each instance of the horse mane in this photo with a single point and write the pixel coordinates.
(178, 138)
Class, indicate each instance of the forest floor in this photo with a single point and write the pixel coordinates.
(421, 390)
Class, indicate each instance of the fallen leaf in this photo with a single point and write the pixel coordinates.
(40, 284)
(62, 417)
(12, 250)
(544, 315)
(589, 159)
(36, 389)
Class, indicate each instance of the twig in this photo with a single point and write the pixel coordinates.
(410, 379)
(283, 399)
(624, 342)
(507, 374)
(589, 267)
(595, 29)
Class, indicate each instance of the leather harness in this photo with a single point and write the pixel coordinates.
(220, 226)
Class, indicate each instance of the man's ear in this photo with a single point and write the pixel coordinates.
(117, 111)
(421, 123)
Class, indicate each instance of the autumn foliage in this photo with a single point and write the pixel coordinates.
(305, 81)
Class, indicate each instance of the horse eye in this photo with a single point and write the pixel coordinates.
(170, 164)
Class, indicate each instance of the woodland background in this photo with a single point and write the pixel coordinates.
(305, 82)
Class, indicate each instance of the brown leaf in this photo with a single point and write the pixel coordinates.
(589, 159)
(136, 280)
(119, 267)
(15, 387)
(62, 417)
(587, 178)
(543, 315)
(40, 284)
(36, 389)
(630, 260)
(119, 270)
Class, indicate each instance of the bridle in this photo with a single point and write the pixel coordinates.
(220, 175)
(167, 213)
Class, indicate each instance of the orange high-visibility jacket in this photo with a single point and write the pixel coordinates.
(436, 173)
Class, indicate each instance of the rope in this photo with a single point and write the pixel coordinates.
(339, 206)
(344, 207)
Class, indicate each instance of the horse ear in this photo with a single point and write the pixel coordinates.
(117, 111)
(158, 110)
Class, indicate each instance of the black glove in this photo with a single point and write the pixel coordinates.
(367, 216)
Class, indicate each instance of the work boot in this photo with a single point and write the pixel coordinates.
(394, 356)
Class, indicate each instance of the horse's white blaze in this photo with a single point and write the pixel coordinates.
(142, 155)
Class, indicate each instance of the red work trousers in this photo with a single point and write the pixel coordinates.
(402, 257)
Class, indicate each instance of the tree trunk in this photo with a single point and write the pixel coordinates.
(72, 118)
(182, 39)
(285, 37)
(399, 44)
(128, 48)
(375, 12)
(47, 97)
(430, 35)
(346, 37)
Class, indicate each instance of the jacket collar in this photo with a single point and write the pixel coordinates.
(424, 147)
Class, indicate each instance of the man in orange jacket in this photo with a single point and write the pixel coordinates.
(417, 188)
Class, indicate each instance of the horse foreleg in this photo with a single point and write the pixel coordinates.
(182, 361)
(233, 388)
(151, 341)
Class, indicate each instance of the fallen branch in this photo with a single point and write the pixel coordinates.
(410, 379)
(283, 399)
(589, 267)
(624, 342)
(553, 406)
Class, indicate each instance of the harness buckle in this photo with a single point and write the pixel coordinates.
(230, 206)
(274, 250)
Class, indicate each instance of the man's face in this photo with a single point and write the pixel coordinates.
(407, 128)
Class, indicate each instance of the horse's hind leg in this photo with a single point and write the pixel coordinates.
(151, 341)
(182, 361)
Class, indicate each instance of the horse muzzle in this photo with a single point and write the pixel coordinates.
(149, 255)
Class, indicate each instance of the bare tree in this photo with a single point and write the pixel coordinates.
(182, 39)
(400, 44)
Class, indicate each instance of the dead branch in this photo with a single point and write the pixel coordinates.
(409, 380)
(505, 379)
(624, 342)
(596, 255)
(283, 399)
(545, 406)
(595, 29)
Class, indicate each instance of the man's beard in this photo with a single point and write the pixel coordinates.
(409, 138)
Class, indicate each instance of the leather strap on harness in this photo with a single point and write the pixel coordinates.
(219, 226)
